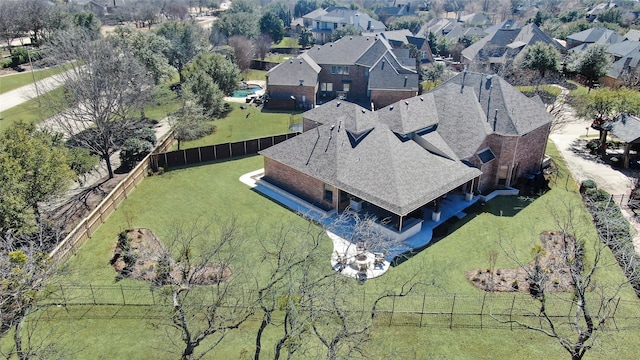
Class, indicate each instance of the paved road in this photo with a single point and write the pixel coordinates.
(18, 96)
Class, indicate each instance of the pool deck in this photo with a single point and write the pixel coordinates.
(451, 206)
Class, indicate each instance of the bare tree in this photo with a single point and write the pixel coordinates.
(10, 26)
(592, 303)
(24, 268)
(207, 294)
(242, 51)
(103, 87)
(262, 45)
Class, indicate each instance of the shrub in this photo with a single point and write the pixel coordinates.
(145, 134)
(134, 150)
(587, 185)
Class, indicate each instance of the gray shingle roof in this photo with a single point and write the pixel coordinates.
(623, 48)
(596, 35)
(633, 35)
(626, 64)
(507, 41)
(389, 74)
(625, 127)
(516, 113)
(381, 169)
(401, 173)
(345, 51)
(294, 71)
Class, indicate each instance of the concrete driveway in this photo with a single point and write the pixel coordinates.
(567, 139)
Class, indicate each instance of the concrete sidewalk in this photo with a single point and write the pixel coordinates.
(25, 93)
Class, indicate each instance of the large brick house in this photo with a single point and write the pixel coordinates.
(364, 69)
(323, 22)
(473, 134)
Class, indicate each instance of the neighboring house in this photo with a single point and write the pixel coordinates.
(450, 29)
(593, 13)
(364, 69)
(507, 24)
(622, 67)
(324, 22)
(472, 134)
(399, 39)
(500, 48)
(475, 19)
(387, 13)
(595, 35)
(633, 35)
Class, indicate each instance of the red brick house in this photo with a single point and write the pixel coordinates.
(472, 134)
(364, 69)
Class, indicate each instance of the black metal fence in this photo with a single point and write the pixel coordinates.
(487, 311)
(215, 152)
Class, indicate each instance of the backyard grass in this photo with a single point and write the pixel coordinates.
(14, 81)
(278, 57)
(213, 192)
(287, 42)
(248, 123)
(252, 74)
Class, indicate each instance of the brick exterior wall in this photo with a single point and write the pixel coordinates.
(357, 87)
(519, 154)
(301, 185)
(283, 93)
(382, 98)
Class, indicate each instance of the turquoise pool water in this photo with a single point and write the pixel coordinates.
(246, 92)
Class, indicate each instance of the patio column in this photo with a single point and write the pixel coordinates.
(468, 195)
(625, 156)
(435, 216)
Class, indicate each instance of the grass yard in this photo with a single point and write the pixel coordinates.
(252, 74)
(14, 81)
(287, 42)
(31, 111)
(213, 191)
(248, 123)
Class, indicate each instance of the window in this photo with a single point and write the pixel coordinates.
(339, 70)
(424, 55)
(328, 192)
(486, 155)
(345, 87)
(326, 86)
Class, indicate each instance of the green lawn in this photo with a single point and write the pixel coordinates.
(248, 123)
(31, 111)
(213, 192)
(287, 42)
(252, 74)
(278, 57)
(14, 81)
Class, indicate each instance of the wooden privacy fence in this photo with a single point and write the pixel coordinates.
(215, 152)
(109, 204)
(487, 311)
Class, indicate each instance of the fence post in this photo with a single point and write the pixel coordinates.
(453, 304)
(424, 299)
(64, 298)
(93, 296)
(393, 309)
(484, 298)
(511, 312)
(124, 301)
(613, 316)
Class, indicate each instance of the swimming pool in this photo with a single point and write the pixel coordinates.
(246, 92)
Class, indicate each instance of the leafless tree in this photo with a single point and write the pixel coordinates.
(24, 268)
(592, 303)
(104, 86)
(206, 288)
(242, 51)
(10, 26)
(262, 45)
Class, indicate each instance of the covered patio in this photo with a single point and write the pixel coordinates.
(396, 242)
